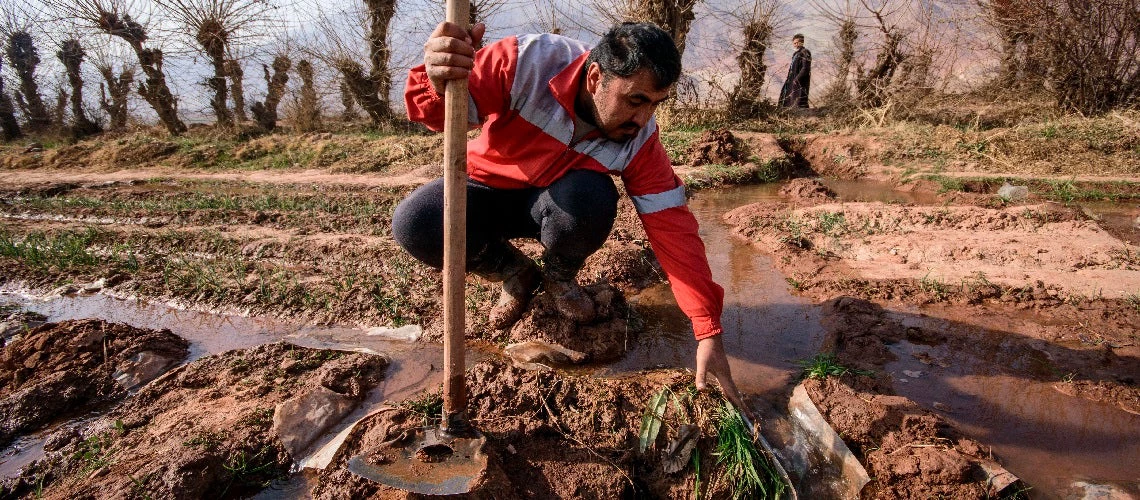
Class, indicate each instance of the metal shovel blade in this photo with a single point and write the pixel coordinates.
(428, 462)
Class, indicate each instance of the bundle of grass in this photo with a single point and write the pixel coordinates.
(743, 466)
(750, 471)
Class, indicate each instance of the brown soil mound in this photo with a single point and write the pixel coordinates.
(555, 436)
(61, 370)
(216, 428)
(835, 156)
(806, 189)
(945, 246)
(909, 452)
(716, 146)
(608, 337)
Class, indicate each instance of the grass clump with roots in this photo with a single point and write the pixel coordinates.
(748, 469)
(825, 365)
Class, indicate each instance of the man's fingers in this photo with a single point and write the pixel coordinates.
(449, 30)
(477, 32)
(443, 59)
(449, 45)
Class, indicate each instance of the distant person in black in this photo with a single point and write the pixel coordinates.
(795, 90)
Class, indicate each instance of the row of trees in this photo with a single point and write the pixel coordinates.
(1085, 52)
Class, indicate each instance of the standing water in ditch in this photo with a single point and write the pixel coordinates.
(1062, 446)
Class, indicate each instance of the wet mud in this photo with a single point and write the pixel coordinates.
(942, 305)
(551, 435)
(224, 426)
(63, 370)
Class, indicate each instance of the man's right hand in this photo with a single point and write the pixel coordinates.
(449, 53)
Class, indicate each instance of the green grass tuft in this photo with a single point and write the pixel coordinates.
(825, 365)
(749, 471)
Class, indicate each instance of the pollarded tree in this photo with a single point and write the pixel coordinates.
(110, 17)
(24, 58)
(237, 88)
(8, 123)
(118, 88)
(71, 54)
(1089, 52)
(340, 34)
(308, 116)
(673, 16)
(215, 25)
(265, 112)
(758, 23)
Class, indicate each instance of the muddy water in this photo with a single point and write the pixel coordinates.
(766, 328)
(1050, 440)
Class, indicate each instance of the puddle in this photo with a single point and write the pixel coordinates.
(1049, 440)
(869, 191)
(23, 451)
(1121, 220)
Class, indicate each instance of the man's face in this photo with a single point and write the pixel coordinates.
(797, 43)
(623, 105)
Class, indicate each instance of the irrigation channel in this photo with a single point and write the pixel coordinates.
(1049, 440)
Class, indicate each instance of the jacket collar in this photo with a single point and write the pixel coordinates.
(566, 83)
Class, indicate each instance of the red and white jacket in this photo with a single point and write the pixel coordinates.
(522, 94)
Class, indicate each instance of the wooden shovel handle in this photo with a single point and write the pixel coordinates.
(454, 235)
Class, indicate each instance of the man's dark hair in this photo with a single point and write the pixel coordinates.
(798, 36)
(629, 47)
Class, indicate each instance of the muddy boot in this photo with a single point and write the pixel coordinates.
(570, 299)
(519, 275)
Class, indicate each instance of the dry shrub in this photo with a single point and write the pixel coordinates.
(1087, 52)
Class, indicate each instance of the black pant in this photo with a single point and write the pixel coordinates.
(571, 218)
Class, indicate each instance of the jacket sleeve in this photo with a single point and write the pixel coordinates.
(489, 85)
(659, 196)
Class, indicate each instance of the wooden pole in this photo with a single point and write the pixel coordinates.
(455, 237)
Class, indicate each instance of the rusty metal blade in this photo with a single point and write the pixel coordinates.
(404, 466)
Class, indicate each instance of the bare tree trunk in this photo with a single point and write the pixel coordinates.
(154, 90)
(212, 37)
(673, 16)
(349, 103)
(364, 89)
(265, 113)
(380, 13)
(748, 98)
(119, 88)
(237, 90)
(8, 123)
(308, 110)
(24, 59)
(71, 55)
(872, 85)
(59, 112)
(846, 37)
